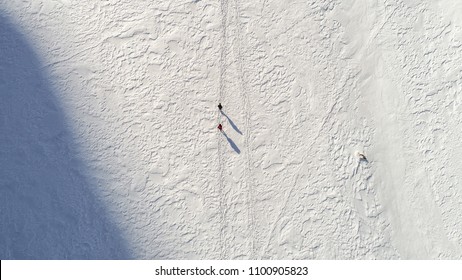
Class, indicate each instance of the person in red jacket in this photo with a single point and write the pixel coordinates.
(220, 127)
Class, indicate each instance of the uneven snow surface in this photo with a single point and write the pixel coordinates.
(109, 146)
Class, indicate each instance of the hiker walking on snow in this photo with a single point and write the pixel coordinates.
(219, 106)
(220, 127)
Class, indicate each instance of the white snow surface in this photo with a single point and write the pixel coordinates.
(109, 146)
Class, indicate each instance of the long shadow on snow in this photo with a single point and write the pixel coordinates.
(232, 123)
(231, 142)
(48, 207)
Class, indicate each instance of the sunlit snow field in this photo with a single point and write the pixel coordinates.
(109, 147)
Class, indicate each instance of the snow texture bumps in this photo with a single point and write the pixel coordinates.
(134, 88)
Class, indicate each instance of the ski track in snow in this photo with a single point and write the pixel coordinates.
(309, 83)
(248, 152)
(224, 12)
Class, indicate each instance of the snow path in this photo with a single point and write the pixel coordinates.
(304, 85)
(224, 12)
(237, 155)
(249, 186)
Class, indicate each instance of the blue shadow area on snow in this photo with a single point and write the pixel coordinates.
(232, 144)
(233, 125)
(48, 204)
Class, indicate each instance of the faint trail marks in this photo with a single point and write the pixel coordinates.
(221, 197)
(246, 105)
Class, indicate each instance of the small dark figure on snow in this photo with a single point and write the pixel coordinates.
(220, 127)
(219, 106)
(362, 156)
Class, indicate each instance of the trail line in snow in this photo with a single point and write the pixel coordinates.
(220, 191)
(248, 159)
(224, 12)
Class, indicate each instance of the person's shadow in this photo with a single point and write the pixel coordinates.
(233, 125)
(232, 144)
(48, 204)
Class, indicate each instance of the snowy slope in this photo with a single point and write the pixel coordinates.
(109, 146)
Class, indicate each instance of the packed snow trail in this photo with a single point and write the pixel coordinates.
(224, 14)
(246, 108)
